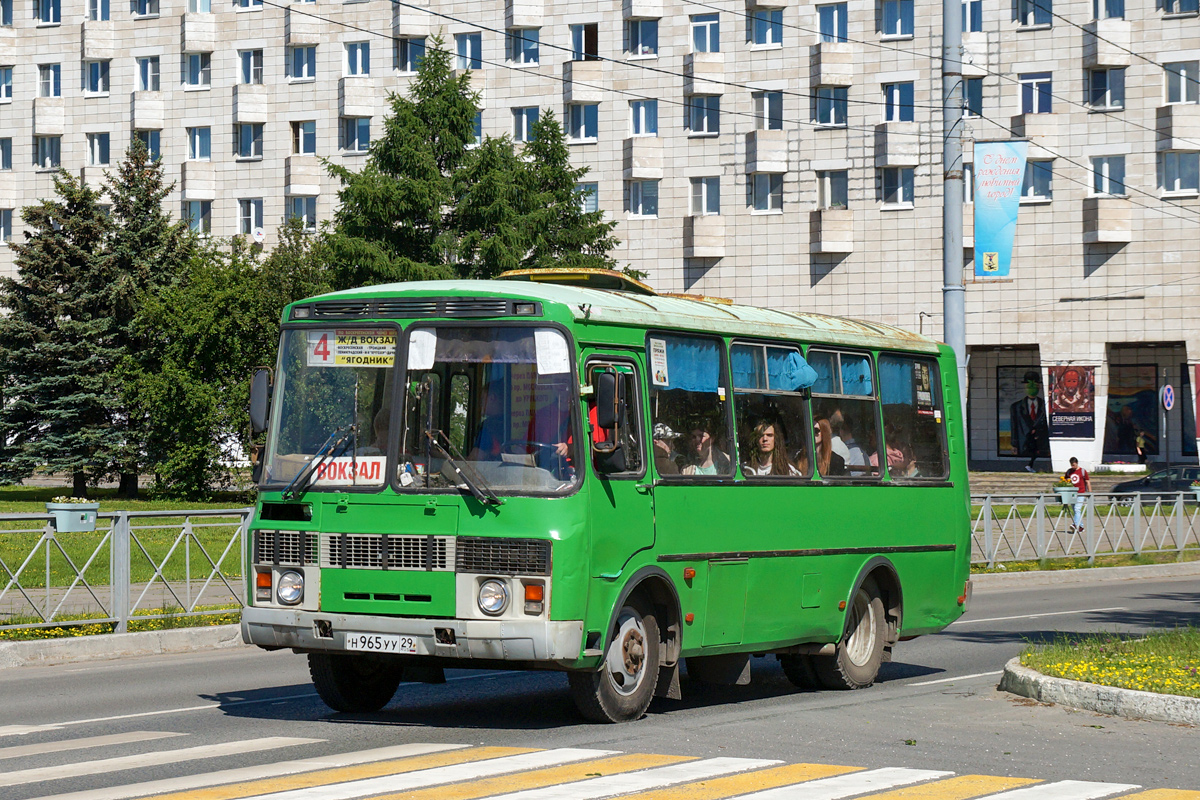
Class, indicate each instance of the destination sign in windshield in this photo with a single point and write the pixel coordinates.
(358, 347)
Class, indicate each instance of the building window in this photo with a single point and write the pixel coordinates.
(643, 117)
(200, 6)
(146, 8)
(358, 58)
(897, 18)
(585, 42)
(523, 119)
(1039, 175)
(198, 69)
(305, 210)
(250, 214)
(47, 152)
(1035, 93)
(152, 139)
(968, 182)
(1183, 81)
(470, 50)
(832, 21)
(48, 12)
(583, 122)
(5, 84)
(973, 97)
(198, 215)
(6, 224)
(1180, 6)
(1108, 9)
(6, 153)
(643, 198)
(1108, 176)
(49, 80)
(833, 188)
(95, 77)
(643, 37)
(302, 63)
(766, 27)
(304, 138)
(767, 191)
(356, 134)
(249, 140)
(1107, 89)
(409, 53)
(97, 10)
(522, 45)
(898, 102)
(148, 71)
(252, 66)
(768, 111)
(706, 196)
(896, 186)
(830, 105)
(1035, 12)
(972, 16)
(704, 114)
(97, 144)
(6, 19)
(1180, 172)
(476, 130)
(589, 197)
(199, 144)
(250, 5)
(706, 33)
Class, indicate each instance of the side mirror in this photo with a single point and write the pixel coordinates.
(608, 397)
(260, 400)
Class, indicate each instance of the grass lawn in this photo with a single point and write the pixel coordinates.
(78, 625)
(1129, 559)
(1165, 663)
(33, 499)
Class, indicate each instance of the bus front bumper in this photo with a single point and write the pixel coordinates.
(500, 640)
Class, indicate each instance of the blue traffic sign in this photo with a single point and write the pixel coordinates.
(1167, 395)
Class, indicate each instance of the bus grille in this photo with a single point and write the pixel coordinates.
(295, 548)
(419, 307)
(366, 551)
(503, 556)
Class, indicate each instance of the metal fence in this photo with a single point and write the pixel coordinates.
(140, 565)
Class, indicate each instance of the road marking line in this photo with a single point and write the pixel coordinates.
(21, 751)
(962, 787)
(440, 775)
(102, 766)
(245, 774)
(1165, 794)
(849, 785)
(612, 785)
(958, 678)
(730, 785)
(1035, 616)
(1066, 790)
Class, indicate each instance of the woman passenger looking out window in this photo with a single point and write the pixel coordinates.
(828, 462)
(703, 457)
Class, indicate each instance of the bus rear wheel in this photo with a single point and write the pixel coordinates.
(353, 683)
(860, 651)
(622, 689)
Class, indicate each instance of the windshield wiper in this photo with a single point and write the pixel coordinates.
(324, 452)
(483, 493)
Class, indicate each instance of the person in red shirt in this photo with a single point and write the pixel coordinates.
(1079, 478)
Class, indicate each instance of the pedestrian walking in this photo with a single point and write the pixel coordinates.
(1079, 478)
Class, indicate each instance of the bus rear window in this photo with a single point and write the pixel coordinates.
(913, 419)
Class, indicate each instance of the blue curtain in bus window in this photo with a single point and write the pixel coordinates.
(856, 375)
(748, 372)
(822, 365)
(693, 365)
(787, 370)
(896, 381)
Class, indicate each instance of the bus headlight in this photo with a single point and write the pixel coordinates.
(289, 589)
(493, 598)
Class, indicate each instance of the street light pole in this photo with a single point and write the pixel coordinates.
(953, 303)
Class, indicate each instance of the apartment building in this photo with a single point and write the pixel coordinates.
(774, 152)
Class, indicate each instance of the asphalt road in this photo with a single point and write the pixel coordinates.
(935, 708)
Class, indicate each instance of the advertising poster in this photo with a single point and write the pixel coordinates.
(1132, 411)
(1010, 391)
(999, 174)
(1188, 411)
(1073, 402)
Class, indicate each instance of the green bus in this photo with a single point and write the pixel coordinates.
(569, 471)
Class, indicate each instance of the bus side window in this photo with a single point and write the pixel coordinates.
(616, 438)
(773, 428)
(913, 418)
(688, 407)
(844, 404)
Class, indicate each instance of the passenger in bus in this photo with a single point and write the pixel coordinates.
(703, 457)
(493, 429)
(379, 427)
(769, 456)
(665, 455)
(829, 463)
(855, 455)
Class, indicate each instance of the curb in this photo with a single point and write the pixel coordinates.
(1128, 703)
(46, 652)
(1013, 580)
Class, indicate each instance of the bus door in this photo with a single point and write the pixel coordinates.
(622, 503)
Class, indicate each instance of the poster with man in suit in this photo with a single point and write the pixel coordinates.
(1029, 430)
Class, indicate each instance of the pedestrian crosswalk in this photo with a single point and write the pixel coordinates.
(442, 771)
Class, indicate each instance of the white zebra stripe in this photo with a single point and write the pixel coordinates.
(25, 750)
(630, 782)
(855, 783)
(1066, 790)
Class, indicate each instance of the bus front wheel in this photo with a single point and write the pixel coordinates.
(622, 689)
(860, 651)
(353, 683)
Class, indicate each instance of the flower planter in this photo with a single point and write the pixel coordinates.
(1066, 494)
(73, 517)
(1196, 491)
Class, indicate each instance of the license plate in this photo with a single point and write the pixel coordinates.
(381, 643)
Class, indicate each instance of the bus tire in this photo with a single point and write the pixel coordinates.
(860, 651)
(353, 683)
(622, 689)
(799, 670)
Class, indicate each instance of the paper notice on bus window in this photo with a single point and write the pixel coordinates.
(347, 471)
(658, 363)
(422, 345)
(552, 358)
(359, 347)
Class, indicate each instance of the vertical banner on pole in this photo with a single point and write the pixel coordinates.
(999, 175)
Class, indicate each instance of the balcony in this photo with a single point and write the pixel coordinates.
(643, 158)
(1040, 129)
(1106, 43)
(704, 237)
(975, 54)
(832, 63)
(199, 181)
(302, 176)
(831, 230)
(148, 110)
(704, 73)
(583, 82)
(301, 28)
(754, 4)
(356, 96)
(524, 13)
(249, 103)
(49, 119)
(8, 45)
(1178, 127)
(97, 38)
(407, 22)
(897, 144)
(766, 151)
(1107, 220)
(642, 9)
(199, 33)
(93, 177)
